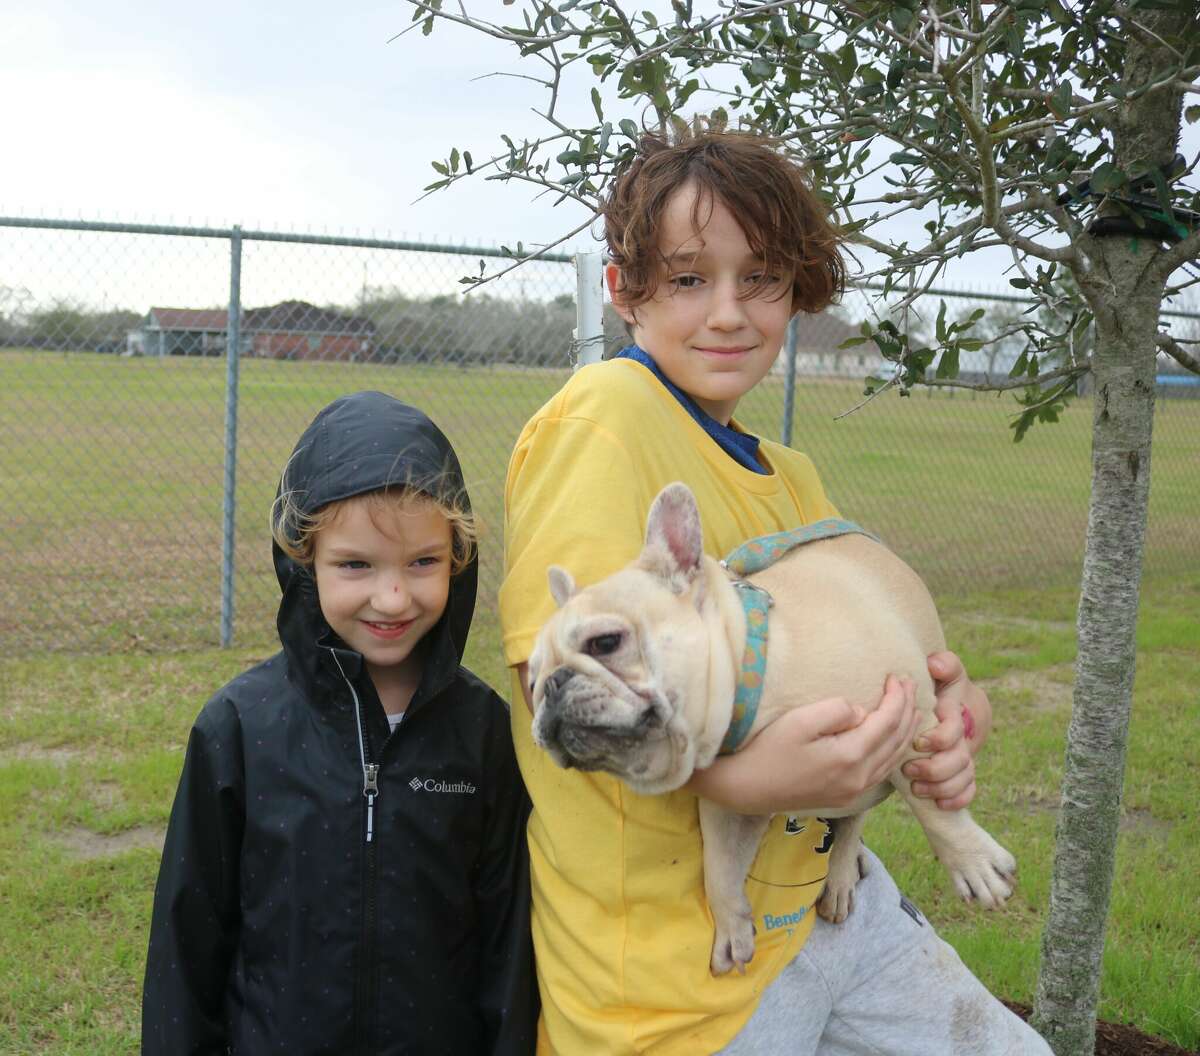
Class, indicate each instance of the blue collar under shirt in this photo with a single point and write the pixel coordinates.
(741, 447)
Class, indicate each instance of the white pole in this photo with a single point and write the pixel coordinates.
(589, 308)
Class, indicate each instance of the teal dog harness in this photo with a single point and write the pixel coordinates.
(751, 557)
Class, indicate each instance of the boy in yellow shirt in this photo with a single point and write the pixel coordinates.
(715, 241)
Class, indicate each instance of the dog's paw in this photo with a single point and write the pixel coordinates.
(835, 903)
(837, 900)
(986, 873)
(733, 945)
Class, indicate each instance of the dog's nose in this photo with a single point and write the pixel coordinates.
(556, 680)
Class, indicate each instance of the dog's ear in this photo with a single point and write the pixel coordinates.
(674, 544)
(562, 586)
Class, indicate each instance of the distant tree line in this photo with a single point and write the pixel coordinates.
(472, 330)
(63, 327)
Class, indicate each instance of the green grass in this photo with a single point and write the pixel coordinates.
(90, 750)
(113, 469)
(111, 483)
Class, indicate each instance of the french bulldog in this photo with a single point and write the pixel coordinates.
(636, 676)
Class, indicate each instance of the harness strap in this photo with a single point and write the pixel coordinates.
(760, 553)
(751, 557)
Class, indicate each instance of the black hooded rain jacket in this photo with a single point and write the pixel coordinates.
(279, 924)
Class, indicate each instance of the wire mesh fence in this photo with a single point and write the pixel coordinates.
(114, 404)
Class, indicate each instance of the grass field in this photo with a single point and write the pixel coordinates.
(108, 607)
(118, 464)
(90, 749)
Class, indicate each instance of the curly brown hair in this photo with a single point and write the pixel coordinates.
(783, 218)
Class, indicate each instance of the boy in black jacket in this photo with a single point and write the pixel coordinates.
(345, 869)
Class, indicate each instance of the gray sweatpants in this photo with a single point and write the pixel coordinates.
(881, 984)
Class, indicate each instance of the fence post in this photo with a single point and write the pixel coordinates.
(789, 382)
(589, 308)
(233, 349)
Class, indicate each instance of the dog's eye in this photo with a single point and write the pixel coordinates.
(603, 644)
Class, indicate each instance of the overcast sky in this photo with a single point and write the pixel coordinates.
(284, 115)
(295, 116)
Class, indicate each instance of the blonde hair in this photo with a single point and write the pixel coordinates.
(295, 531)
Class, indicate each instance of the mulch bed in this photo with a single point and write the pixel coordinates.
(1118, 1039)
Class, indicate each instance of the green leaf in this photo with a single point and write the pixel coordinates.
(850, 342)
(948, 364)
(454, 158)
(1020, 284)
(941, 322)
(760, 68)
(970, 344)
(1107, 178)
(1057, 152)
(1192, 114)
(848, 60)
(628, 128)
(596, 104)
(439, 167)
(808, 41)
(1060, 99)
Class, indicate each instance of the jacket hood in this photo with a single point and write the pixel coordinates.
(360, 443)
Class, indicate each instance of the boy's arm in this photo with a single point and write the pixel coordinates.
(194, 926)
(824, 755)
(829, 753)
(508, 998)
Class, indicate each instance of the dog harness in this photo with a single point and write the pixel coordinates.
(751, 557)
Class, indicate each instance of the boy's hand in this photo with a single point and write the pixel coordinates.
(965, 719)
(823, 755)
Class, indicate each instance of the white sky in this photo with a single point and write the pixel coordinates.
(292, 116)
(284, 115)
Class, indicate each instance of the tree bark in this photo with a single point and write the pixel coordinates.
(1126, 301)
(1093, 773)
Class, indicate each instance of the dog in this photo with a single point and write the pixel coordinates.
(636, 676)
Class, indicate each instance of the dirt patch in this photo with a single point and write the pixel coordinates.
(88, 845)
(1119, 1039)
(1024, 622)
(1136, 820)
(38, 754)
(1050, 689)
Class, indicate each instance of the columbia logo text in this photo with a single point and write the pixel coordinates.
(429, 784)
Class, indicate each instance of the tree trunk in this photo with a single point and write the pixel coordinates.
(1085, 844)
(1126, 304)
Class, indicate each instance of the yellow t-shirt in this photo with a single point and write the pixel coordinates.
(621, 927)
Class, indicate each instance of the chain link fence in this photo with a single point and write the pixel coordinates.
(140, 459)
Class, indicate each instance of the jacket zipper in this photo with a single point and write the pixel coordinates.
(364, 988)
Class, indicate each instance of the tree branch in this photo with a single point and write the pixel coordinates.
(493, 30)
(1181, 356)
(1178, 255)
(1075, 370)
(477, 282)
